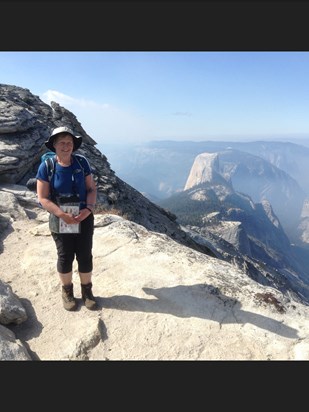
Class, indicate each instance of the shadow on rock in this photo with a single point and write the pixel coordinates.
(29, 329)
(201, 301)
(5, 229)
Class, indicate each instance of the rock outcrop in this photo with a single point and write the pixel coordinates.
(158, 300)
(25, 124)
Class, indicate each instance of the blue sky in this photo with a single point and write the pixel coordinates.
(140, 96)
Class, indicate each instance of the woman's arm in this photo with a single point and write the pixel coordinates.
(91, 192)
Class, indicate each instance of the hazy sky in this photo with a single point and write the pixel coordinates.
(140, 96)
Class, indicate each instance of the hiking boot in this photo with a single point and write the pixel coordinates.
(88, 297)
(68, 300)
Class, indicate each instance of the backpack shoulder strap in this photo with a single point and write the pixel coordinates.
(80, 160)
(78, 157)
(50, 166)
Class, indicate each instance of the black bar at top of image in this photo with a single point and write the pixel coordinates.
(154, 26)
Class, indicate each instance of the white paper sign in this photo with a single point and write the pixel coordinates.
(64, 227)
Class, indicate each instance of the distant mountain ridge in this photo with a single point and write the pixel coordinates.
(172, 161)
(161, 169)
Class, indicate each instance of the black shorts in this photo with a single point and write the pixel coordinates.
(79, 245)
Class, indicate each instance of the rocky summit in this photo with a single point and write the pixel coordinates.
(165, 292)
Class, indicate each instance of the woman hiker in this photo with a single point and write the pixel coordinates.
(70, 198)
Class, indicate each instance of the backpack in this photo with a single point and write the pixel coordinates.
(49, 159)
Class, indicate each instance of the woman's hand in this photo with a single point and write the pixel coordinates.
(82, 215)
(68, 218)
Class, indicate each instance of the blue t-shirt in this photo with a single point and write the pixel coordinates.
(70, 180)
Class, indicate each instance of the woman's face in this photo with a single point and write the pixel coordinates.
(64, 144)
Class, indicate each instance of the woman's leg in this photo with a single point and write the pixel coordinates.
(65, 251)
(85, 261)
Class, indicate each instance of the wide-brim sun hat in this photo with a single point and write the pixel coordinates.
(77, 140)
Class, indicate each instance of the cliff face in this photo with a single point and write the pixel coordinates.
(204, 169)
